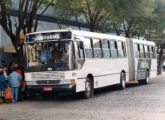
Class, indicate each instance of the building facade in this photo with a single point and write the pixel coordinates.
(47, 22)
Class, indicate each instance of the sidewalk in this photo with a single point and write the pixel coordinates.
(163, 74)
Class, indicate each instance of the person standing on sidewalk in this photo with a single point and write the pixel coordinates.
(5, 72)
(3, 85)
(14, 82)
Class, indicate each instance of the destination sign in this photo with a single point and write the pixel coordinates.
(48, 36)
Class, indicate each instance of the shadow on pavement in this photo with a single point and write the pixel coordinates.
(78, 96)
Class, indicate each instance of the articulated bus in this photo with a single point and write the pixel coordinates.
(73, 61)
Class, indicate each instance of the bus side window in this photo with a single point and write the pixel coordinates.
(120, 49)
(147, 51)
(76, 51)
(80, 51)
(113, 48)
(152, 52)
(105, 48)
(88, 47)
(79, 55)
(142, 53)
(137, 46)
(97, 48)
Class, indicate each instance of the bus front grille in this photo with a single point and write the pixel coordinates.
(48, 76)
(48, 82)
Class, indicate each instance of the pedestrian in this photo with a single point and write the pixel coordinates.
(20, 91)
(4, 67)
(10, 68)
(3, 85)
(3, 63)
(15, 65)
(14, 82)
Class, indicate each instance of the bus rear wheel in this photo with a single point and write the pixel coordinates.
(122, 84)
(89, 91)
(146, 80)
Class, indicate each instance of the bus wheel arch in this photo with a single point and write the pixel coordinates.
(90, 76)
(89, 87)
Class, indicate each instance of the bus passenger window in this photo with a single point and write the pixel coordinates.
(152, 52)
(76, 51)
(120, 49)
(113, 49)
(81, 54)
(147, 51)
(142, 52)
(88, 48)
(97, 48)
(105, 47)
(137, 50)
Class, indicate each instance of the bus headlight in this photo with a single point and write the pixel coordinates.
(31, 83)
(72, 81)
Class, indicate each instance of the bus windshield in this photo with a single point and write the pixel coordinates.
(43, 56)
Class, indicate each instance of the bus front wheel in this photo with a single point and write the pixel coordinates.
(89, 90)
(122, 84)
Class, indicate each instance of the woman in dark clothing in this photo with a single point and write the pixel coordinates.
(3, 84)
(10, 68)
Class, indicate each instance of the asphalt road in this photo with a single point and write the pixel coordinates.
(136, 102)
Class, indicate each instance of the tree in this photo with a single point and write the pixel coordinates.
(91, 12)
(129, 15)
(27, 11)
(156, 30)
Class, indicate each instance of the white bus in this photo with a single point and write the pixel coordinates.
(80, 61)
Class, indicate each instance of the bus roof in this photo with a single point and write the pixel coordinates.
(95, 35)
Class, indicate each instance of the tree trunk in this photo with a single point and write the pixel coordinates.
(20, 54)
(160, 62)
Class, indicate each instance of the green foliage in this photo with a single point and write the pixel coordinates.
(130, 15)
(91, 12)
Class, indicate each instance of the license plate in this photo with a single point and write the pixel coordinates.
(47, 89)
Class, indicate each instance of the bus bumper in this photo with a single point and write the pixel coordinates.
(68, 88)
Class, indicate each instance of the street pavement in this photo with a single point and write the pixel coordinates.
(136, 102)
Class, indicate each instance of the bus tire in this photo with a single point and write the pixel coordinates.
(146, 80)
(89, 91)
(122, 84)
